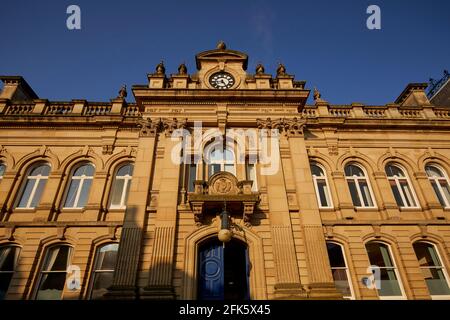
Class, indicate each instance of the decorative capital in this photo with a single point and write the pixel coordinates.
(149, 128)
(292, 127)
(170, 125)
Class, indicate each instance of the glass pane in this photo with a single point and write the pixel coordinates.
(341, 281)
(125, 170)
(436, 282)
(216, 155)
(106, 258)
(378, 254)
(213, 168)
(323, 193)
(410, 202)
(432, 171)
(52, 286)
(7, 258)
(389, 285)
(38, 193)
(102, 281)
(316, 171)
(192, 176)
(87, 170)
(43, 170)
(352, 170)
(57, 259)
(229, 156)
(438, 193)
(72, 193)
(84, 194)
(5, 280)
(26, 193)
(335, 255)
(354, 193)
(117, 191)
(367, 198)
(397, 196)
(392, 170)
(426, 254)
(446, 190)
(2, 170)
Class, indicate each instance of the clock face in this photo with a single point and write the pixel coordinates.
(221, 80)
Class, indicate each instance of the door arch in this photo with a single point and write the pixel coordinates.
(223, 270)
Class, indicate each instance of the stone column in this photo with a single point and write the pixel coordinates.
(6, 186)
(319, 270)
(47, 204)
(125, 274)
(287, 276)
(345, 203)
(160, 284)
(388, 201)
(431, 200)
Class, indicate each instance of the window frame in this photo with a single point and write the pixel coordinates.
(442, 267)
(127, 180)
(94, 270)
(222, 162)
(16, 262)
(355, 180)
(397, 179)
(42, 263)
(347, 269)
(436, 180)
(69, 182)
(316, 187)
(37, 179)
(396, 271)
(2, 164)
(247, 174)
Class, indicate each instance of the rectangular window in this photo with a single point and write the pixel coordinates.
(9, 256)
(192, 176)
(251, 175)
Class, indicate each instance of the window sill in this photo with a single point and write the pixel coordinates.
(73, 210)
(410, 209)
(443, 297)
(366, 209)
(326, 209)
(117, 209)
(24, 210)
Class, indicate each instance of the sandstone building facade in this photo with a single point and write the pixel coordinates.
(94, 204)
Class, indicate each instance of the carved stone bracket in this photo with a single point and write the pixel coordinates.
(149, 128)
(170, 125)
(291, 127)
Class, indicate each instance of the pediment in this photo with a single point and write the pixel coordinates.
(222, 55)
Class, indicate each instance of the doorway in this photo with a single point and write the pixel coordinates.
(223, 270)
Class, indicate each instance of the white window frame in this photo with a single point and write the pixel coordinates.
(397, 180)
(442, 267)
(396, 272)
(347, 270)
(356, 179)
(327, 185)
(222, 162)
(94, 265)
(82, 179)
(37, 179)
(127, 180)
(41, 271)
(436, 180)
(188, 175)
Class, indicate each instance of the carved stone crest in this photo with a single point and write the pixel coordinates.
(223, 183)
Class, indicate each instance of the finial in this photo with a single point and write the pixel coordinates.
(259, 69)
(317, 94)
(281, 70)
(123, 92)
(221, 45)
(182, 69)
(160, 69)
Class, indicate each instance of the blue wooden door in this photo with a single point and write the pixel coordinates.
(211, 272)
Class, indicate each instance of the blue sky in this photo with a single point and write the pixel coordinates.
(325, 43)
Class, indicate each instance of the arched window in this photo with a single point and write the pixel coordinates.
(432, 269)
(440, 183)
(359, 186)
(339, 269)
(399, 181)
(79, 187)
(103, 272)
(9, 256)
(2, 170)
(52, 277)
(389, 280)
(33, 186)
(221, 160)
(121, 186)
(321, 186)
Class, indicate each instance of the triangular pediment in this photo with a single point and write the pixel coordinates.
(222, 55)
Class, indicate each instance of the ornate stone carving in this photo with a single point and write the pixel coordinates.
(223, 183)
(182, 69)
(108, 149)
(292, 126)
(148, 127)
(123, 92)
(281, 70)
(260, 69)
(170, 125)
(160, 69)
